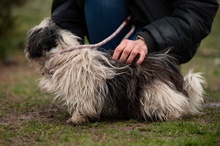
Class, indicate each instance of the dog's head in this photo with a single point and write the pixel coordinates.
(47, 38)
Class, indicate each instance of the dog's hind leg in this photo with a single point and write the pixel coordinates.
(159, 102)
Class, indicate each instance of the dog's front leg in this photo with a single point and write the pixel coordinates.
(77, 119)
(85, 114)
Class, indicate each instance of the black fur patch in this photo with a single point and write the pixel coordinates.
(125, 88)
(42, 39)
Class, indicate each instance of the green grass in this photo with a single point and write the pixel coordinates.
(187, 132)
(31, 117)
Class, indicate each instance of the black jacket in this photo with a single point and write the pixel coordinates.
(181, 24)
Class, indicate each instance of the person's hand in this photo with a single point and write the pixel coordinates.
(127, 50)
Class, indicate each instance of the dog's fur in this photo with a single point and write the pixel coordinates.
(91, 84)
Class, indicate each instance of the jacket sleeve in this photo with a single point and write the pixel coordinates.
(189, 22)
(68, 14)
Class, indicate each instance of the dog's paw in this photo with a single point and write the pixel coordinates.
(77, 120)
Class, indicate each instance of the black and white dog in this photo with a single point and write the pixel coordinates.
(91, 84)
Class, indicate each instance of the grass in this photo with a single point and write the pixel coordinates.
(31, 117)
(187, 132)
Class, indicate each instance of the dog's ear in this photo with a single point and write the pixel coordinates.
(42, 39)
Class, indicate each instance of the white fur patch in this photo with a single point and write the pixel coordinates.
(193, 86)
(162, 102)
(80, 81)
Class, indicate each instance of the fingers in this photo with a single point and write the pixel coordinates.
(132, 55)
(120, 52)
(127, 50)
(141, 58)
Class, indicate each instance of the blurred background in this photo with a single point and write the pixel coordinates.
(18, 16)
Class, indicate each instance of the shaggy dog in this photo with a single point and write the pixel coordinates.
(91, 84)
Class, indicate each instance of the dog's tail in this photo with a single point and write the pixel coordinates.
(193, 86)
